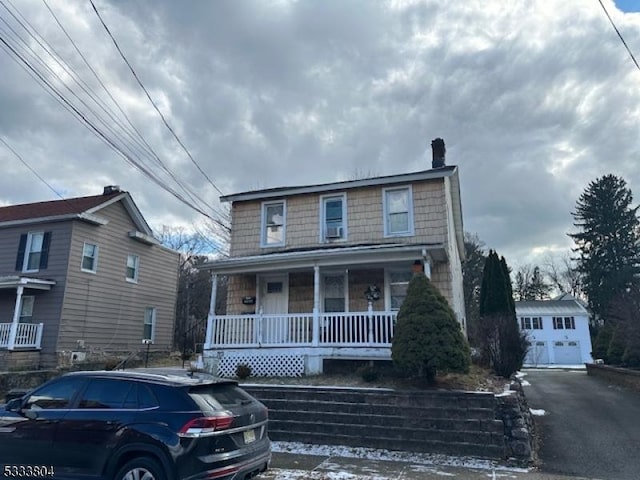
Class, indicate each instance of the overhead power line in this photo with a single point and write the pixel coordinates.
(164, 120)
(619, 35)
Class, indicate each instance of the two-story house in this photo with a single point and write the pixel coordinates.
(80, 278)
(557, 331)
(319, 272)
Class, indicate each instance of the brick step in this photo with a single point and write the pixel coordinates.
(369, 409)
(383, 431)
(490, 451)
(375, 396)
(396, 421)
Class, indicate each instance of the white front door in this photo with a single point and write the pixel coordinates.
(274, 304)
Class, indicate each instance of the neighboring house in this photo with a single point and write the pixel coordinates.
(305, 260)
(82, 277)
(557, 331)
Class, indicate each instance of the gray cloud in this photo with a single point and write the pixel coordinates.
(534, 100)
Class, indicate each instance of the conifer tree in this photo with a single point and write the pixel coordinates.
(428, 338)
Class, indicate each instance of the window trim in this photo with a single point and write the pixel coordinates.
(410, 213)
(263, 224)
(345, 288)
(387, 286)
(136, 269)
(27, 252)
(32, 299)
(323, 220)
(154, 314)
(95, 258)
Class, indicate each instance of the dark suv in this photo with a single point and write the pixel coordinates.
(134, 426)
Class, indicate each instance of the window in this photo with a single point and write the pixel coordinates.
(566, 323)
(398, 211)
(54, 395)
(333, 222)
(106, 394)
(132, 268)
(273, 224)
(89, 258)
(334, 298)
(149, 324)
(33, 251)
(398, 284)
(26, 309)
(531, 323)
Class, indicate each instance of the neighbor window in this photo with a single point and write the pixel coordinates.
(273, 223)
(149, 324)
(89, 258)
(132, 268)
(33, 251)
(398, 211)
(566, 323)
(531, 323)
(26, 309)
(398, 284)
(333, 217)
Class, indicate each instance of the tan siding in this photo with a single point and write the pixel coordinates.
(240, 286)
(364, 218)
(103, 309)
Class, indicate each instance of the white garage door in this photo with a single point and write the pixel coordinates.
(538, 354)
(567, 352)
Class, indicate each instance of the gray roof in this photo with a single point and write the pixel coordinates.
(567, 306)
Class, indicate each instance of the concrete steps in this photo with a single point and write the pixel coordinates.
(452, 423)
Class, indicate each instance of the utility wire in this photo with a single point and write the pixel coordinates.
(619, 35)
(135, 75)
(24, 162)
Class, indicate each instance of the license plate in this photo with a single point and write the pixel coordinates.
(249, 436)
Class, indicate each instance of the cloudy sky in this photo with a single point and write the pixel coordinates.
(534, 99)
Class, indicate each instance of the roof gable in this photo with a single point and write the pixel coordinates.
(80, 208)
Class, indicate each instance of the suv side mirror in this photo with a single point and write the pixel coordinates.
(14, 405)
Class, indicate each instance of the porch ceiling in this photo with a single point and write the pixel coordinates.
(328, 257)
(14, 281)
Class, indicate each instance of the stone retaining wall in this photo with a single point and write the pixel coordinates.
(621, 376)
(519, 431)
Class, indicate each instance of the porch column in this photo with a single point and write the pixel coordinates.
(315, 338)
(426, 264)
(16, 318)
(208, 339)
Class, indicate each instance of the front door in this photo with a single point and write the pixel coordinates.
(274, 305)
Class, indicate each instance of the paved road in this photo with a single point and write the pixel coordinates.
(590, 429)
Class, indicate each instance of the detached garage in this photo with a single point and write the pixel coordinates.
(557, 332)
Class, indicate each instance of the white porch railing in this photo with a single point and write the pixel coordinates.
(27, 335)
(296, 329)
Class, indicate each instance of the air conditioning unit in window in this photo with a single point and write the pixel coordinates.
(334, 232)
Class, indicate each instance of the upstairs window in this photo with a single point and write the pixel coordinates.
(273, 224)
(564, 323)
(90, 258)
(398, 211)
(33, 251)
(531, 323)
(333, 222)
(133, 262)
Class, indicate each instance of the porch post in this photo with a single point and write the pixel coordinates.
(16, 318)
(211, 317)
(426, 264)
(315, 338)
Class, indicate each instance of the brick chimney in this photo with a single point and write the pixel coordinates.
(438, 149)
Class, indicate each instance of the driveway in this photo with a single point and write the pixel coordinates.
(590, 429)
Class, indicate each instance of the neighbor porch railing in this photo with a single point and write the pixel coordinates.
(20, 335)
(297, 329)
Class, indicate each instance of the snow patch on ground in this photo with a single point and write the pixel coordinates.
(525, 383)
(520, 374)
(537, 412)
(387, 455)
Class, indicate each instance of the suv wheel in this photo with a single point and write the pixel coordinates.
(143, 468)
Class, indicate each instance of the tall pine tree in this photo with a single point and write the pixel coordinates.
(606, 241)
(503, 345)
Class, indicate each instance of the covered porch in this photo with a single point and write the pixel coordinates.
(287, 312)
(22, 333)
